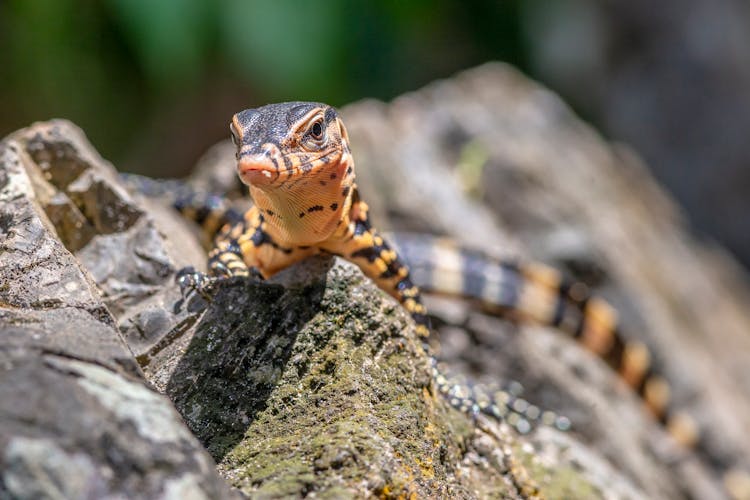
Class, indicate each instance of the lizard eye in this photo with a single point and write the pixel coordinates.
(316, 131)
(235, 139)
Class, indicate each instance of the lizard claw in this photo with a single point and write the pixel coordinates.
(191, 280)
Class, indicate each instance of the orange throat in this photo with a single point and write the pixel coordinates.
(306, 208)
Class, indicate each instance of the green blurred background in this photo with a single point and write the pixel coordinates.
(153, 83)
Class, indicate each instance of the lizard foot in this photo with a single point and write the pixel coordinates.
(191, 280)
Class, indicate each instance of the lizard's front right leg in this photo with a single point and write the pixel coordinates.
(225, 260)
(245, 249)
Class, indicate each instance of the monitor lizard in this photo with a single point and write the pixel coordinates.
(295, 157)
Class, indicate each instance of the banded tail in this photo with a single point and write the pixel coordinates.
(210, 211)
(537, 293)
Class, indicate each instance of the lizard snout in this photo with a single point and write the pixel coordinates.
(260, 168)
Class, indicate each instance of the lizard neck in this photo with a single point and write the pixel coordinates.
(308, 208)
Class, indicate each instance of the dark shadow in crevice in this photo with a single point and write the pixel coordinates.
(238, 354)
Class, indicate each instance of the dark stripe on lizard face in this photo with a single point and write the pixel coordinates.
(275, 162)
(288, 164)
(288, 167)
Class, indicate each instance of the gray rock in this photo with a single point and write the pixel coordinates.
(314, 383)
(490, 142)
(670, 79)
(489, 154)
(76, 417)
(43, 286)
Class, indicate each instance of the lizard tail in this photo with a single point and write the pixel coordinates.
(209, 210)
(531, 291)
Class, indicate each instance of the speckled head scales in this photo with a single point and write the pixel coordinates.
(271, 123)
(279, 141)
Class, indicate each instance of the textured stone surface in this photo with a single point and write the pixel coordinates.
(76, 418)
(498, 163)
(313, 384)
(43, 286)
(109, 231)
(491, 142)
(670, 79)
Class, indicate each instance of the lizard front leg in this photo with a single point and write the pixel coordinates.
(225, 260)
(246, 249)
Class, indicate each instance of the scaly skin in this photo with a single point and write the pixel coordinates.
(295, 158)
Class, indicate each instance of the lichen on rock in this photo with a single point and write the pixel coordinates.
(77, 419)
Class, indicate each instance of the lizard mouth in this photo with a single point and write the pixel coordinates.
(264, 169)
(259, 170)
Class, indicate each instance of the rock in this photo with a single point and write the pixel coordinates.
(314, 383)
(678, 96)
(499, 140)
(76, 417)
(492, 143)
(409, 165)
(114, 234)
(43, 286)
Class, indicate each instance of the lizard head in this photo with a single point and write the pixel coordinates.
(278, 144)
(296, 160)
